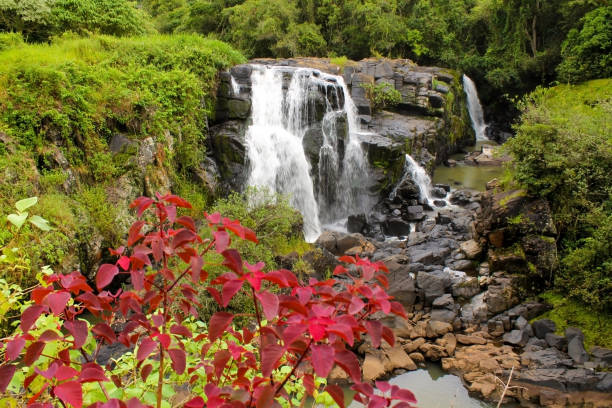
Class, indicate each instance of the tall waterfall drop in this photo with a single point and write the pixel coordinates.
(475, 108)
(282, 118)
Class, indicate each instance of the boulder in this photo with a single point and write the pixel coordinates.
(373, 367)
(444, 302)
(437, 328)
(356, 223)
(414, 213)
(472, 249)
(443, 315)
(469, 340)
(543, 326)
(602, 354)
(571, 332)
(432, 285)
(575, 349)
(402, 288)
(397, 227)
(438, 192)
(466, 288)
(516, 337)
(556, 341)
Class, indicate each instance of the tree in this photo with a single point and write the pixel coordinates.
(587, 52)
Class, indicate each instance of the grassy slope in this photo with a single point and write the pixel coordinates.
(61, 104)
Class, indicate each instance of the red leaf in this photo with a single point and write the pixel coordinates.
(57, 301)
(197, 402)
(65, 372)
(186, 222)
(178, 360)
(342, 330)
(29, 317)
(222, 240)
(14, 347)
(309, 383)
(146, 370)
(383, 386)
(220, 361)
(134, 234)
(91, 372)
(49, 335)
(124, 262)
(398, 309)
(7, 371)
(388, 335)
(146, 347)
(176, 200)
(218, 324)
(403, 395)
(349, 364)
(105, 275)
(230, 288)
(182, 237)
(33, 352)
(180, 330)
(270, 355)
(105, 331)
(233, 260)
(71, 393)
(39, 293)
(269, 302)
(265, 399)
(215, 294)
(356, 305)
(375, 329)
(322, 358)
(142, 203)
(196, 263)
(336, 393)
(347, 259)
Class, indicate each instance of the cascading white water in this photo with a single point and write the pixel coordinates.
(278, 161)
(235, 86)
(475, 108)
(416, 173)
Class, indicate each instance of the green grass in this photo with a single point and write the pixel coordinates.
(597, 327)
(60, 106)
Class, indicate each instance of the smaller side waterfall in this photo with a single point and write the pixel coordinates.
(475, 108)
(419, 176)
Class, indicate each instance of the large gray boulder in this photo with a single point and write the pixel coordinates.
(542, 327)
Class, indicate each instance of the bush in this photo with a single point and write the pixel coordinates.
(563, 152)
(382, 95)
(298, 332)
(587, 53)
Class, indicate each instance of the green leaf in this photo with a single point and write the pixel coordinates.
(17, 219)
(26, 203)
(40, 223)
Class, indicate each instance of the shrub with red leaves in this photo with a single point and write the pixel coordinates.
(304, 326)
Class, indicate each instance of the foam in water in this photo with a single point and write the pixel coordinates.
(280, 120)
(475, 108)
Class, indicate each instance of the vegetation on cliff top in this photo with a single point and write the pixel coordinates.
(59, 116)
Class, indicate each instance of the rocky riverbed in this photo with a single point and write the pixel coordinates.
(465, 293)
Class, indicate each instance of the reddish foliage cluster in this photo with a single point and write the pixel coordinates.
(306, 326)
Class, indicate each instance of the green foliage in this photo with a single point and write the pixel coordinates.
(10, 40)
(587, 53)
(38, 20)
(382, 95)
(597, 327)
(563, 153)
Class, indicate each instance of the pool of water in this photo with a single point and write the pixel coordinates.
(434, 388)
(463, 176)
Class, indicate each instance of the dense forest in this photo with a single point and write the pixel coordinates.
(102, 101)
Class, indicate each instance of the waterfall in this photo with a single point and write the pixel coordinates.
(281, 118)
(475, 108)
(235, 86)
(416, 173)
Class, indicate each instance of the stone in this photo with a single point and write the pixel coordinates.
(414, 213)
(439, 203)
(397, 227)
(516, 338)
(464, 265)
(417, 357)
(443, 315)
(438, 192)
(571, 332)
(444, 302)
(431, 284)
(433, 352)
(356, 223)
(397, 358)
(328, 240)
(469, 340)
(521, 323)
(546, 358)
(402, 288)
(437, 328)
(346, 242)
(414, 345)
(119, 142)
(372, 367)
(467, 288)
(449, 342)
(556, 341)
(575, 349)
(543, 326)
(445, 187)
(602, 354)
(472, 249)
